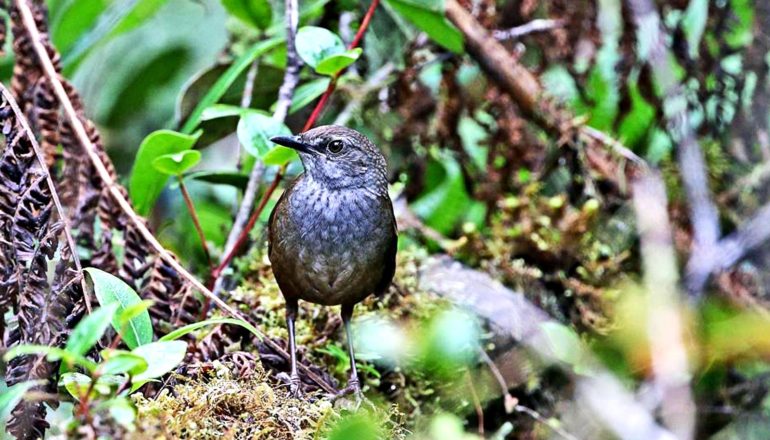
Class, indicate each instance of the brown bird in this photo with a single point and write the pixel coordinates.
(332, 237)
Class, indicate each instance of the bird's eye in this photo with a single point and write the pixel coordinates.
(334, 146)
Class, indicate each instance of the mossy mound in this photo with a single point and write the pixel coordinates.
(219, 405)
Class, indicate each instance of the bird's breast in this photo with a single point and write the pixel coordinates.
(335, 243)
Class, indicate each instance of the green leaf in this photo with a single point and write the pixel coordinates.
(257, 13)
(75, 21)
(217, 111)
(314, 44)
(176, 164)
(444, 205)
(124, 362)
(161, 357)
(307, 93)
(11, 397)
(226, 80)
(335, 63)
(90, 329)
(122, 411)
(53, 354)
(81, 31)
(255, 130)
(178, 333)
(694, 23)
(131, 312)
(232, 178)
(146, 182)
(428, 16)
(141, 11)
(563, 342)
(110, 289)
(280, 156)
(76, 384)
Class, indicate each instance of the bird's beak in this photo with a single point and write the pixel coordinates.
(292, 142)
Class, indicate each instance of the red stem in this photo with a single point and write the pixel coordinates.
(215, 274)
(191, 208)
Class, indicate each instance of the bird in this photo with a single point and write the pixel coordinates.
(332, 235)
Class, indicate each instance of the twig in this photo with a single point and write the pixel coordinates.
(52, 187)
(729, 250)
(90, 149)
(246, 96)
(244, 235)
(243, 222)
(703, 213)
(671, 376)
(476, 402)
(537, 25)
(538, 417)
(510, 315)
(522, 86)
(377, 81)
(196, 221)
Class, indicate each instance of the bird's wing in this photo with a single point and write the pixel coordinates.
(390, 256)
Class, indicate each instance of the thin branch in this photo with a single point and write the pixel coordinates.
(246, 96)
(523, 86)
(82, 135)
(538, 417)
(538, 25)
(665, 330)
(476, 402)
(196, 221)
(379, 79)
(54, 195)
(729, 250)
(243, 222)
(510, 315)
(703, 213)
(244, 235)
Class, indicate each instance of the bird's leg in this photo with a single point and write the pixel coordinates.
(291, 315)
(354, 386)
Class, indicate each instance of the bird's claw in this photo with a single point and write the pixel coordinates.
(353, 387)
(293, 381)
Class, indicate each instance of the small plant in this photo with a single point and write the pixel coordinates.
(104, 385)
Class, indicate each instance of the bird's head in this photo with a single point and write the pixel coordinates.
(338, 157)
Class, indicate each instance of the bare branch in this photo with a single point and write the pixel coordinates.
(510, 315)
(285, 94)
(538, 25)
(524, 88)
(703, 213)
(729, 250)
(664, 324)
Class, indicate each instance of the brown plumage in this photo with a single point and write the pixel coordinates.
(332, 233)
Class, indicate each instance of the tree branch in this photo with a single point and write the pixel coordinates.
(524, 88)
(665, 330)
(285, 94)
(704, 216)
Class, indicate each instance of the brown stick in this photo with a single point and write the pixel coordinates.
(82, 135)
(196, 221)
(494, 58)
(524, 87)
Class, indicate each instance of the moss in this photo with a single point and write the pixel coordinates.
(219, 405)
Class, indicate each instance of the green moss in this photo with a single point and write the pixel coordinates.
(219, 405)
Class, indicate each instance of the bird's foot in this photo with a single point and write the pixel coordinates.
(354, 388)
(293, 381)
